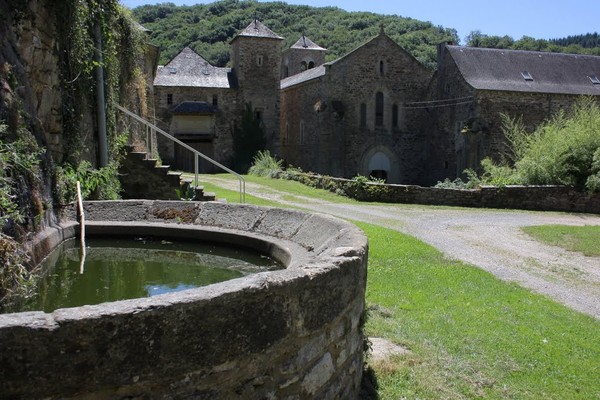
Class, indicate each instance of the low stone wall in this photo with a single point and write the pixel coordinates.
(290, 334)
(542, 198)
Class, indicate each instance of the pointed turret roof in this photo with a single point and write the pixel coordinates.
(306, 43)
(258, 29)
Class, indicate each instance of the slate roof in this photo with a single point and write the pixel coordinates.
(194, 107)
(496, 69)
(306, 43)
(188, 69)
(257, 29)
(304, 76)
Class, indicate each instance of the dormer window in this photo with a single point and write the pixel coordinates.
(527, 76)
(594, 79)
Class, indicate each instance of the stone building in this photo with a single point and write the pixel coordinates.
(472, 87)
(345, 117)
(201, 104)
(376, 111)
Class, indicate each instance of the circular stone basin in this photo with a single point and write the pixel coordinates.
(128, 268)
(295, 332)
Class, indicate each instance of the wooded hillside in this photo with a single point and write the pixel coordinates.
(208, 28)
(579, 44)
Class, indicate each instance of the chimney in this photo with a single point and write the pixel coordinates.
(441, 52)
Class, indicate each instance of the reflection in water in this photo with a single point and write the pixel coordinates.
(129, 268)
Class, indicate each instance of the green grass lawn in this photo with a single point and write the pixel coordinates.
(470, 335)
(585, 239)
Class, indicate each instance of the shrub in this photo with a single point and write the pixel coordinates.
(559, 152)
(265, 165)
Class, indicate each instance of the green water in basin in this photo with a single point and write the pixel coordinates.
(119, 269)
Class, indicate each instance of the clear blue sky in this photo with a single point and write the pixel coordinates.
(541, 19)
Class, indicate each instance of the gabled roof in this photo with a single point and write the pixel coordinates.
(258, 29)
(306, 43)
(506, 70)
(320, 71)
(188, 69)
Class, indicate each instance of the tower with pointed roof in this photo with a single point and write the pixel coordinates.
(304, 54)
(256, 63)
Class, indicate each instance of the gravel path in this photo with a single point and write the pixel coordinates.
(489, 239)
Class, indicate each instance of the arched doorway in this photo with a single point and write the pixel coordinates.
(379, 166)
(380, 162)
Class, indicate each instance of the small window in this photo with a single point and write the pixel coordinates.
(259, 61)
(169, 98)
(258, 114)
(594, 79)
(526, 75)
(363, 115)
(379, 109)
(311, 65)
(215, 100)
(381, 68)
(302, 132)
(395, 115)
(303, 66)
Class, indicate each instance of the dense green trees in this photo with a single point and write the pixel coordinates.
(208, 28)
(581, 44)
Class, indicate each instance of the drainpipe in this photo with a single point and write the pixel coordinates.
(100, 101)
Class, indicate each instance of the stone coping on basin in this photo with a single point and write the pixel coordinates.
(290, 333)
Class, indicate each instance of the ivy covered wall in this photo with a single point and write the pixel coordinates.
(48, 104)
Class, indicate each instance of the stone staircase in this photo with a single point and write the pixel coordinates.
(144, 178)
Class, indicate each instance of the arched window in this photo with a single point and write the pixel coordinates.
(395, 115)
(303, 66)
(381, 68)
(379, 109)
(311, 65)
(363, 115)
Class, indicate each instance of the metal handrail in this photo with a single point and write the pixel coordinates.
(196, 152)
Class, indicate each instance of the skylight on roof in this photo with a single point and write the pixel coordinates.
(526, 75)
(172, 70)
(594, 79)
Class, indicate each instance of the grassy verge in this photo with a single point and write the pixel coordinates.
(585, 239)
(470, 334)
(233, 196)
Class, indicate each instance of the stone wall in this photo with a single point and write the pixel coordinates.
(256, 63)
(295, 333)
(541, 198)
